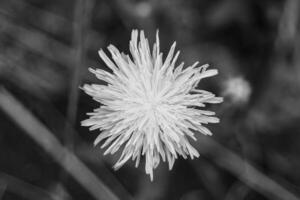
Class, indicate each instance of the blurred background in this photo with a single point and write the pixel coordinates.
(47, 47)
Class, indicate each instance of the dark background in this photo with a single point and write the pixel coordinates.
(46, 48)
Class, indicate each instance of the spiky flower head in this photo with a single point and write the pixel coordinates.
(149, 107)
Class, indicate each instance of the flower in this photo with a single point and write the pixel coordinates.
(237, 89)
(149, 107)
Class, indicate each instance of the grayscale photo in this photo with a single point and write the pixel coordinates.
(150, 100)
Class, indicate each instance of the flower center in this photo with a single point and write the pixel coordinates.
(150, 105)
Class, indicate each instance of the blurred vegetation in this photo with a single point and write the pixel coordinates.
(47, 46)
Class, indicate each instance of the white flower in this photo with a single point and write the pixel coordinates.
(149, 107)
(237, 89)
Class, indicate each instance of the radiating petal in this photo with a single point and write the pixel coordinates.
(149, 108)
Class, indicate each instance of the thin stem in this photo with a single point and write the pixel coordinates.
(24, 189)
(236, 166)
(64, 157)
(82, 12)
